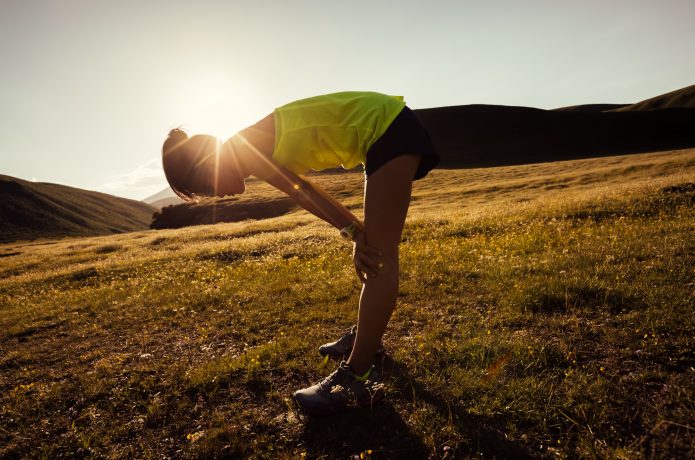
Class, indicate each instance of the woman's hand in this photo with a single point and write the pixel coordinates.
(367, 259)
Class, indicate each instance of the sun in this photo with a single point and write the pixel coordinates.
(215, 103)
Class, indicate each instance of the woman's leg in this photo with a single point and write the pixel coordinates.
(386, 201)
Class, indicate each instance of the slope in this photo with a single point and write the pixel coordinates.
(545, 311)
(680, 98)
(31, 210)
(492, 135)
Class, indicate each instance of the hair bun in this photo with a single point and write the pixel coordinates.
(177, 135)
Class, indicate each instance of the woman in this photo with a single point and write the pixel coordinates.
(340, 129)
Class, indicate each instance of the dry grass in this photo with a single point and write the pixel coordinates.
(545, 310)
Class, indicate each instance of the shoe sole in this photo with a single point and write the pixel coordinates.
(332, 410)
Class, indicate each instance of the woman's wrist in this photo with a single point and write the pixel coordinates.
(358, 231)
(349, 232)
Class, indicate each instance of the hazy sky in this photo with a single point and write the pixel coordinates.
(89, 89)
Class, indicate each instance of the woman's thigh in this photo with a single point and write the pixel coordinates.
(386, 201)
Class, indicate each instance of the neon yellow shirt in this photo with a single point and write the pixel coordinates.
(331, 130)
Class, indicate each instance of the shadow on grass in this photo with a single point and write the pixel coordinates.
(548, 301)
(484, 439)
(383, 433)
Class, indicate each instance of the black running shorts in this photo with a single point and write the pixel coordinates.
(405, 136)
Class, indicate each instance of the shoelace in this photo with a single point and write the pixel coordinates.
(323, 383)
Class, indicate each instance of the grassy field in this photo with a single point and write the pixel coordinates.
(545, 311)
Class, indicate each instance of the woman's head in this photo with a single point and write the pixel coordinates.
(200, 165)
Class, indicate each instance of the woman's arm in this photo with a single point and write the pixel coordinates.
(259, 163)
(314, 199)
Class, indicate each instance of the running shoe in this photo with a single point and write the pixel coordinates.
(341, 348)
(339, 391)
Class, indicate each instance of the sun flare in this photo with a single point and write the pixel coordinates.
(216, 104)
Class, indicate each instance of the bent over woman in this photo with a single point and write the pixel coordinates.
(341, 129)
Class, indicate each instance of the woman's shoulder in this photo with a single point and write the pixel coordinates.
(266, 124)
(260, 136)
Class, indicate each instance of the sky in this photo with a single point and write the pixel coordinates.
(89, 89)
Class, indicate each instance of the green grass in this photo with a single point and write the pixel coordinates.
(544, 311)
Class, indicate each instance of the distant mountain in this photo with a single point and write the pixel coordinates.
(164, 198)
(30, 210)
(165, 193)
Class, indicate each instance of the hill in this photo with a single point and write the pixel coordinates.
(545, 311)
(493, 135)
(30, 210)
(488, 135)
(591, 108)
(683, 98)
(680, 98)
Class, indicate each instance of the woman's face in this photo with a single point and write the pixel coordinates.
(230, 186)
(217, 175)
(230, 174)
